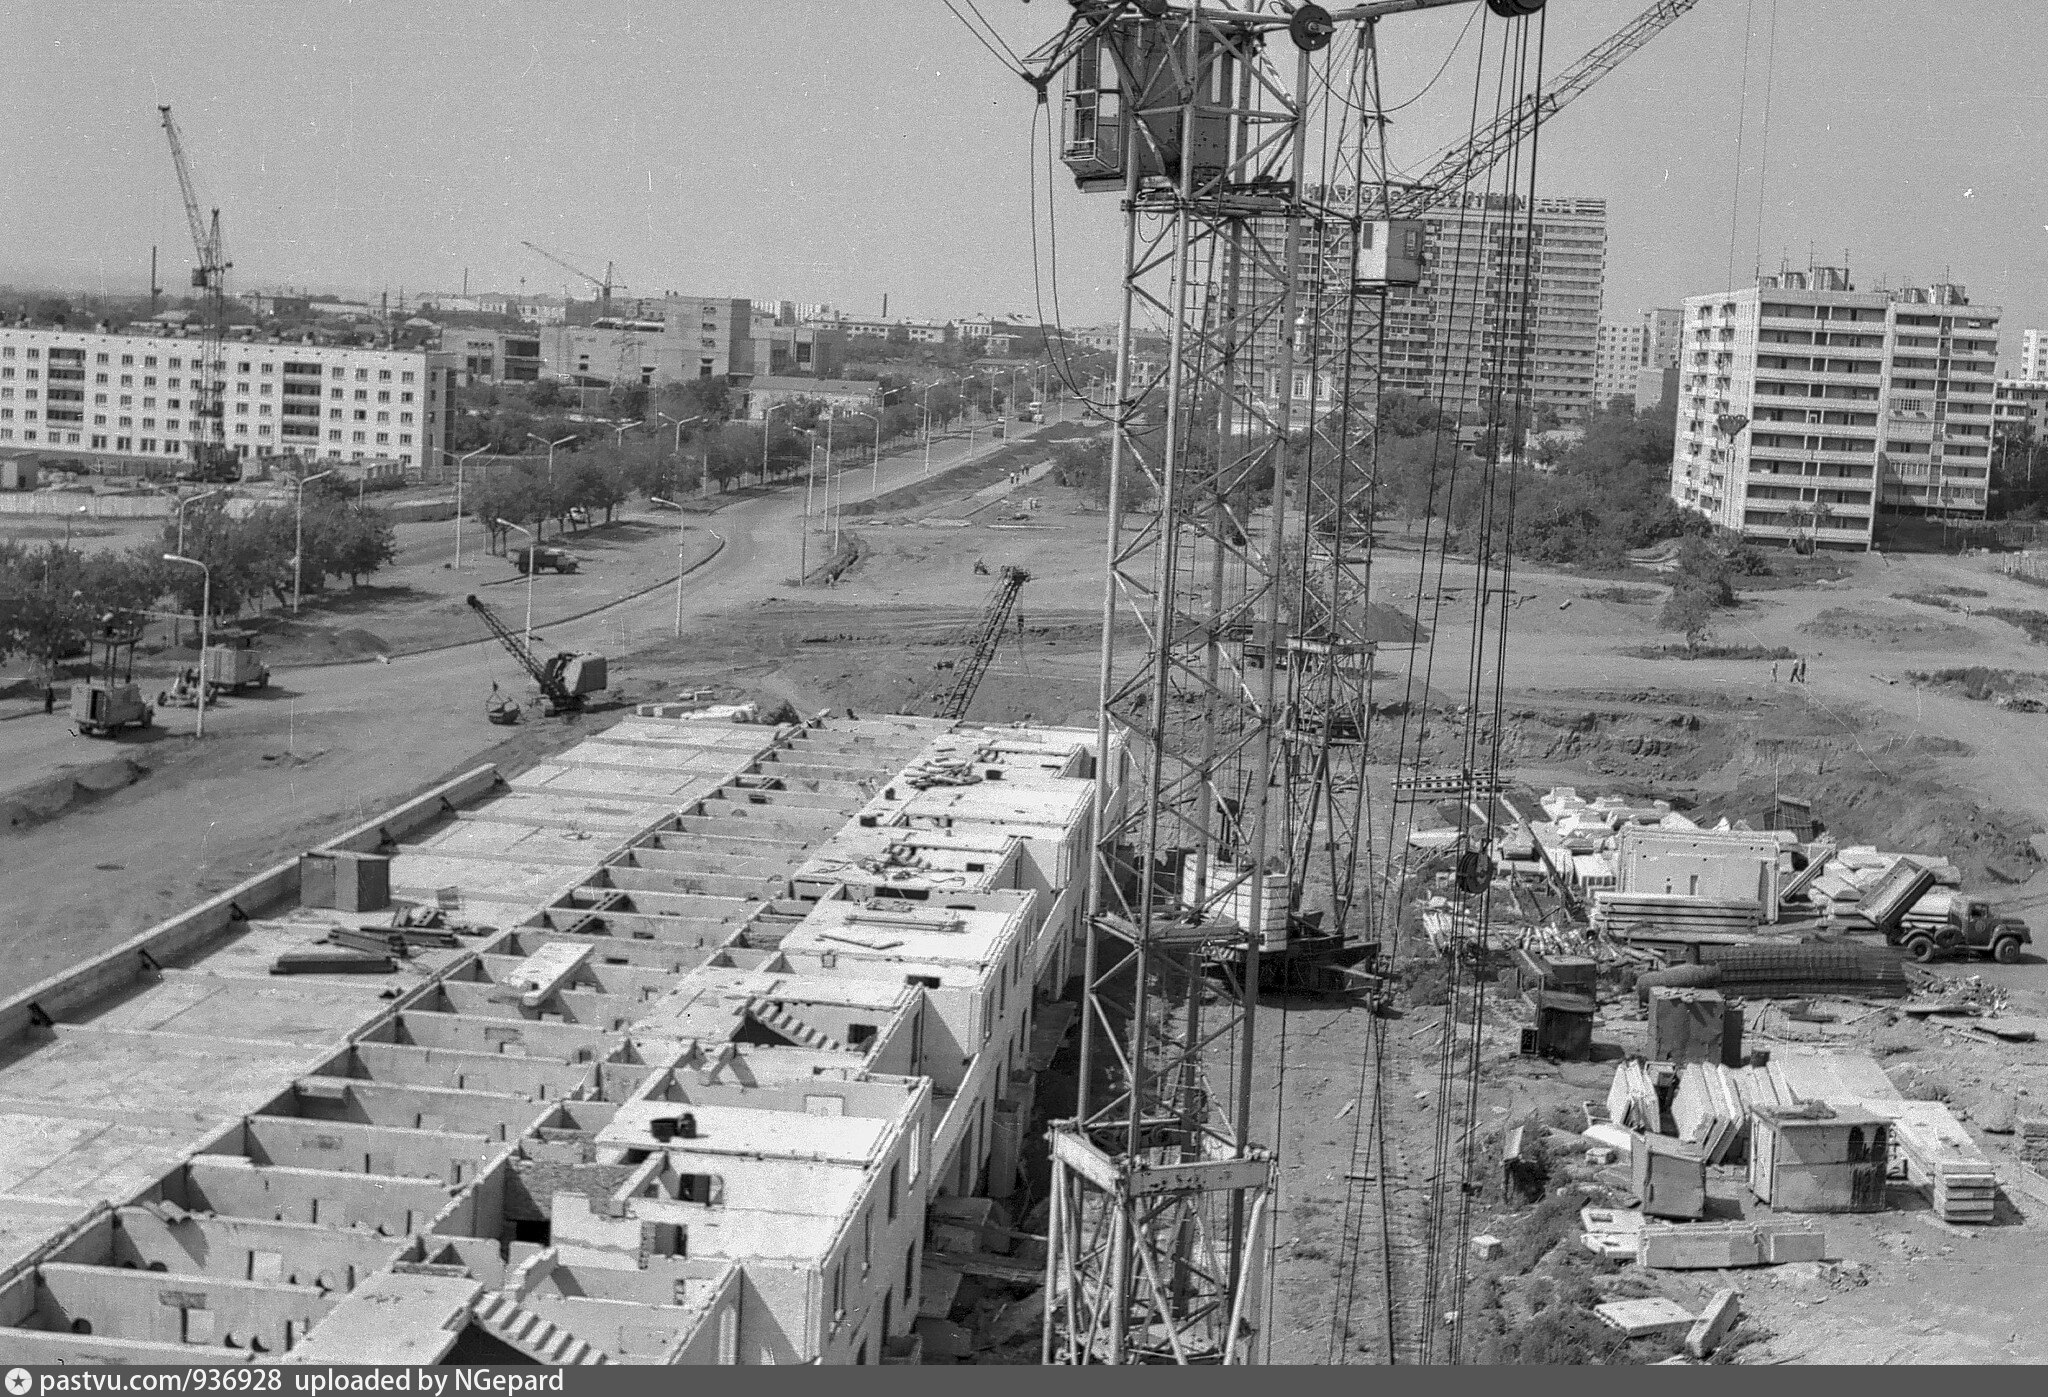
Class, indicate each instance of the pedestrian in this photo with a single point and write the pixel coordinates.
(49, 699)
(1774, 674)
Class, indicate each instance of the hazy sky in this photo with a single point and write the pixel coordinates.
(840, 151)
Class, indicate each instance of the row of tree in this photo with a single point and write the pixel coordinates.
(53, 596)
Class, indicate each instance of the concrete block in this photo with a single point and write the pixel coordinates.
(1600, 1154)
(1706, 1247)
(1642, 1319)
(1714, 1323)
(1789, 1245)
(1486, 1247)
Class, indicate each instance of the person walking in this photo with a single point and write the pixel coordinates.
(49, 699)
(1774, 674)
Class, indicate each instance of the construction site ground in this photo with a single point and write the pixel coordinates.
(1592, 699)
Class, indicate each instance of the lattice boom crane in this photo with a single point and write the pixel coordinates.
(981, 650)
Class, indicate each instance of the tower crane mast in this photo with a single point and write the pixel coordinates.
(211, 457)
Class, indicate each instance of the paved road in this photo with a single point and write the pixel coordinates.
(442, 693)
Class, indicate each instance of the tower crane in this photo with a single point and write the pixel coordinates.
(211, 457)
(604, 284)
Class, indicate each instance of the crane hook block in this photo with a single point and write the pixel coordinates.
(1311, 28)
(1514, 9)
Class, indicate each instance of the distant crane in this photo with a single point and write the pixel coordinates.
(604, 284)
(563, 679)
(211, 457)
(981, 649)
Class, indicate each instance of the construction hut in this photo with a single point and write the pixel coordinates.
(1816, 1158)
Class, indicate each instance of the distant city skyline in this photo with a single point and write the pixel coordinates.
(877, 149)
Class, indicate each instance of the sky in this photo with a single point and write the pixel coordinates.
(837, 151)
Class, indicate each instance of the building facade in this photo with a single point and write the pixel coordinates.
(1662, 330)
(2033, 356)
(1807, 407)
(2021, 402)
(691, 337)
(1618, 353)
(491, 356)
(133, 397)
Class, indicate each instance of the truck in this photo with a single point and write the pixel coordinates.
(232, 663)
(1957, 923)
(543, 559)
(1928, 921)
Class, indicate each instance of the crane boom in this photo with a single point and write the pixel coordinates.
(604, 284)
(548, 676)
(1484, 149)
(981, 649)
(202, 243)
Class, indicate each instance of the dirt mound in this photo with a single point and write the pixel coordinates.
(1899, 628)
(47, 799)
(1979, 682)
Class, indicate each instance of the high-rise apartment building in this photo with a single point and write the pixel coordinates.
(2033, 357)
(1806, 407)
(134, 396)
(1458, 337)
(1617, 356)
(1661, 331)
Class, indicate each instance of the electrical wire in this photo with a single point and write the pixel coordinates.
(1008, 62)
(1741, 122)
(1764, 155)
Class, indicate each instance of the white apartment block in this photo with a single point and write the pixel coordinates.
(134, 397)
(1806, 407)
(2033, 356)
(1619, 352)
(1661, 332)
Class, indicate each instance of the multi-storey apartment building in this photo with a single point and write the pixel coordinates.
(1806, 407)
(1620, 351)
(2033, 356)
(1662, 329)
(134, 397)
(692, 337)
(1461, 338)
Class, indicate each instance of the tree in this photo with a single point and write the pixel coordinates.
(1689, 612)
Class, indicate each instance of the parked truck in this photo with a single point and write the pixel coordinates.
(544, 559)
(232, 663)
(1929, 921)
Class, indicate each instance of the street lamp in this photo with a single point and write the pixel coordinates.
(803, 552)
(927, 410)
(765, 416)
(191, 499)
(298, 543)
(704, 481)
(619, 441)
(875, 480)
(681, 519)
(205, 627)
(531, 568)
(458, 501)
(550, 445)
(82, 509)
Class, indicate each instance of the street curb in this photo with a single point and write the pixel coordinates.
(557, 621)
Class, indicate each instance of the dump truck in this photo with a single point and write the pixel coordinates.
(544, 559)
(1928, 921)
(232, 663)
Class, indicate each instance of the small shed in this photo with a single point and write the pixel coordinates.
(1686, 1024)
(17, 473)
(1670, 1177)
(1816, 1158)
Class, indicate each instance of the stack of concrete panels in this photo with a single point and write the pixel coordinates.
(1941, 1158)
(1632, 1098)
(1711, 1109)
(1624, 914)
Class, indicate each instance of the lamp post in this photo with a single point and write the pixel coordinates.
(875, 479)
(803, 552)
(458, 502)
(830, 518)
(680, 520)
(550, 445)
(531, 568)
(190, 499)
(765, 418)
(205, 627)
(619, 441)
(928, 420)
(298, 543)
(704, 477)
(82, 509)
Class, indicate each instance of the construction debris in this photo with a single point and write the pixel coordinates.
(1714, 1323)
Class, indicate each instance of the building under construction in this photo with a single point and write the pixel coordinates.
(664, 1051)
